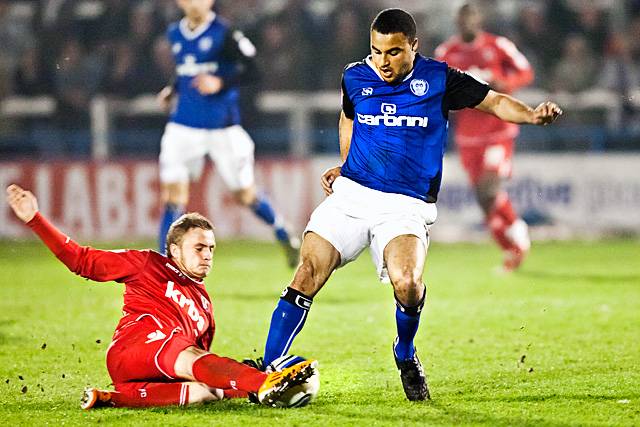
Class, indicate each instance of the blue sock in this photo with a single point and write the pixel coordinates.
(287, 320)
(171, 213)
(407, 321)
(263, 210)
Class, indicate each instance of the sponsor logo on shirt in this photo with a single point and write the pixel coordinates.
(191, 68)
(388, 118)
(185, 303)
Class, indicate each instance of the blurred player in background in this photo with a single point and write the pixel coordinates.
(486, 143)
(211, 60)
(392, 131)
(159, 354)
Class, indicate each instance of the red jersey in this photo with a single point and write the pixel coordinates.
(495, 60)
(153, 283)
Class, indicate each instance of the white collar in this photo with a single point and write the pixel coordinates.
(190, 34)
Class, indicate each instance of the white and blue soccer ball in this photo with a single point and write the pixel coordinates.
(297, 396)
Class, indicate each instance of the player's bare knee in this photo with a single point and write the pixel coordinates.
(183, 366)
(201, 393)
(407, 286)
(246, 196)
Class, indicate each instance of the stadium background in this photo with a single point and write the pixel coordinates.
(80, 125)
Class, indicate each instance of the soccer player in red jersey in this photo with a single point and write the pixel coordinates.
(159, 352)
(485, 143)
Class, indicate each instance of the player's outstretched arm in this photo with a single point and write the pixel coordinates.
(513, 110)
(85, 261)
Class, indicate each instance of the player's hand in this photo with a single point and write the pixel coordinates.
(207, 84)
(546, 113)
(23, 202)
(164, 97)
(328, 177)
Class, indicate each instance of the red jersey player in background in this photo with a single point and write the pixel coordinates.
(159, 352)
(485, 143)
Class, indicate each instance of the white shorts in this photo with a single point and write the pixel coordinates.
(183, 148)
(354, 217)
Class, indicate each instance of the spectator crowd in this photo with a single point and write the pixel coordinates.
(75, 49)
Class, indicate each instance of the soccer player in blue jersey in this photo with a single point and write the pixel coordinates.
(211, 59)
(393, 128)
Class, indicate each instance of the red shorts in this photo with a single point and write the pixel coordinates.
(145, 351)
(494, 158)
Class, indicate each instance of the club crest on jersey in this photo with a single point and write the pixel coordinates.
(367, 91)
(419, 87)
(205, 44)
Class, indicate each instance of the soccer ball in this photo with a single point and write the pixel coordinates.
(297, 396)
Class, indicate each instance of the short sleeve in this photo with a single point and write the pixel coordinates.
(347, 105)
(462, 91)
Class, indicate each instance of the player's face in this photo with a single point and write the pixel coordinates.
(469, 22)
(393, 55)
(195, 9)
(194, 255)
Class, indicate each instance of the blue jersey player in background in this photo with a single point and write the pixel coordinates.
(211, 59)
(393, 129)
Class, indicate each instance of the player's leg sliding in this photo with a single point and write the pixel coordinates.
(412, 374)
(145, 395)
(509, 231)
(262, 209)
(287, 321)
(171, 213)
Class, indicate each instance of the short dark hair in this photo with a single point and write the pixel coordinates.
(182, 225)
(394, 20)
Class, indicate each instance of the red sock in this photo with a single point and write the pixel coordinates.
(498, 227)
(504, 208)
(225, 373)
(138, 395)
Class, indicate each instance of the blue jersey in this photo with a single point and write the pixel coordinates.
(400, 129)
(212, 48)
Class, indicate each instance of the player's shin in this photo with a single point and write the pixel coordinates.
(407, 322)
(263, 210)
(287, 320)
(225, 373)
(171, 213)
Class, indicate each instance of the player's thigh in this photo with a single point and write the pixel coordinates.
(331, 221)
(404, 257)
(497, 158)
(472, 160)
(400, 240)
(318, 259)
(145, 351)
(232, 150)
(182, 151)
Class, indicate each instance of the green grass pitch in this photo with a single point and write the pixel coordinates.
(557, 343)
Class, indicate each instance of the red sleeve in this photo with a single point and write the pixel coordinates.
(85, 261)
(518, 70)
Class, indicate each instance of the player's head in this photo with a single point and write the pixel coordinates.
(469, 21)
(195, 9)
(393, 43)
(190, 244)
